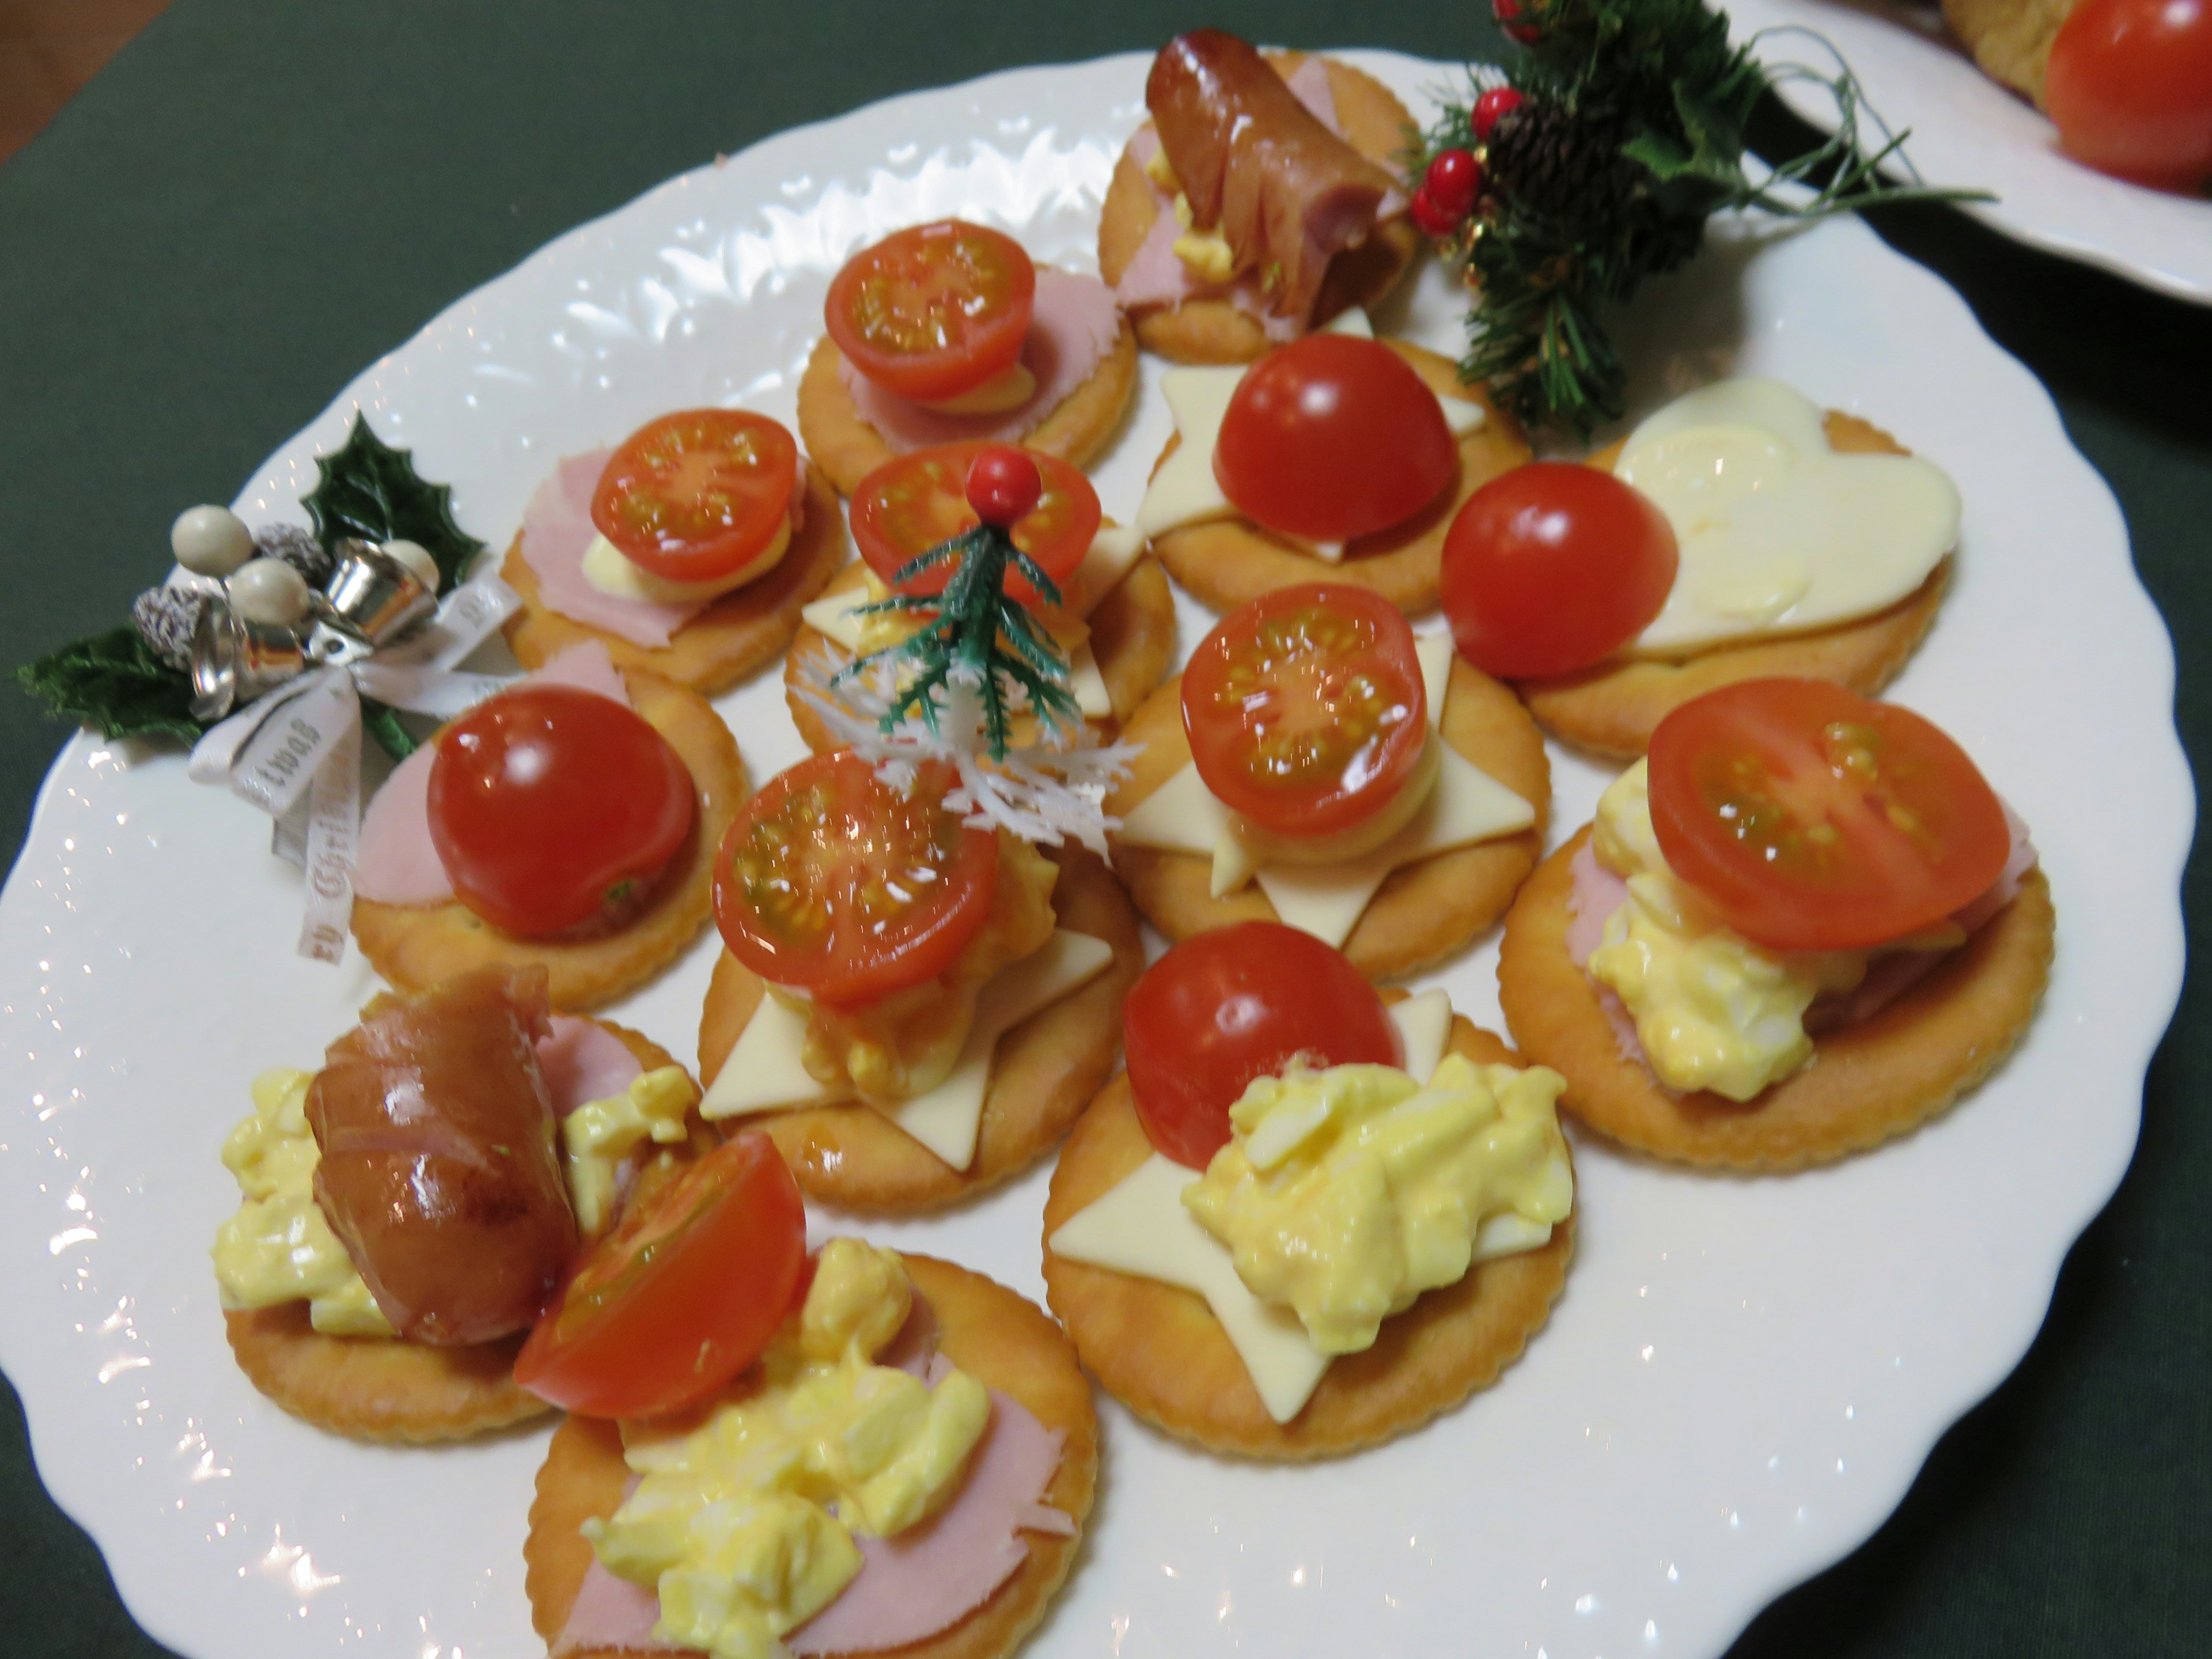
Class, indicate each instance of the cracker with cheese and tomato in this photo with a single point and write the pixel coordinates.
(1805, 924)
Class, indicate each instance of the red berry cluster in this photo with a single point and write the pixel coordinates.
(1453, 184)
(1517, 27)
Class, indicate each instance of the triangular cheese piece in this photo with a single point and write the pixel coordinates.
(1424, 1023)
(1181, 816)
(1184, 490)
(834, 616)
(764, 1072)
(1088, 684)
(1114, 552)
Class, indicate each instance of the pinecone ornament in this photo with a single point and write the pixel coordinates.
(1546, 162)
(298, 547)
(165, 617)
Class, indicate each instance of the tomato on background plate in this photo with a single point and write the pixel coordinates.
(1236, 1004)
(909, 504)
(833, 883)
(1333, 437)
(1553, 567)
(1305, 708)
(550, 804)
(935, 310)
(682, 1296)
(699, 495)
(1815, 819)
(2129, 87)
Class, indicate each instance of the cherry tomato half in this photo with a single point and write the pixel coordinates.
(1237, 1003)
(548, 803)
(1305, 708)
(1333, 437)
(696, 496)
(832, 882)
(909, 504)
(1553, 567)
(682, 1296)
(2129, 86)
(1814, 819)
(934, 311)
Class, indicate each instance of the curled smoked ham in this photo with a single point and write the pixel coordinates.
(1287, 194)
(438, 1170)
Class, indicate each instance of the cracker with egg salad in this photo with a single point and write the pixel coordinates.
(1870, 1080)
(1225, 562)
(739, 633)
(1159, 1350)
(415, 946)
(383, 1389)
(1218, 331)
(1046, 1069)
(1132, 635)
(1425, 911)
(1612, 708)
(996, 1336)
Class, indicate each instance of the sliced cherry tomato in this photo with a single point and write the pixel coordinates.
(833, 883)
(1814, 819)
(1305, 708)
(682, 1296)
(696, 496)
(1237, 1003)
(935, 311)
(909, 504)
(2129, 86)
(550, 804)
(1334, 437)
(1553, 567)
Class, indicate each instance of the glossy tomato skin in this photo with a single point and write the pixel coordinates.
(698, 494)
(1239, 1003)
(682, 1296)
(548, 803)
(1815, 819)
(1332, 437)
(1306, 707)
(911, 504)
(832, 883)
(935, 310)
(1553, 567)
(2129, 87)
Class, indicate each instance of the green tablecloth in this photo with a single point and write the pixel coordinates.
(257, 200)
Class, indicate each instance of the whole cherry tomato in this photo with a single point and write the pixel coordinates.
(1004, 485)
(2129, 86)
(1814, 819)
(1553, 567)
(1333, 437)
(549, 804)
(699, 495)
(1237, 1003)
(1306, 707)
(833, 883)
(909, 504)
(682, 1296)
(935, 311)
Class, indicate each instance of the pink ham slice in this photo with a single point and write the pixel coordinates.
(583, 1061)
(1073, 326)
(396, 863)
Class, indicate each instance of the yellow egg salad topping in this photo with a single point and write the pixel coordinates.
(278, 1248)
(743, 1519)
(598, 1136)
(1345, 1193)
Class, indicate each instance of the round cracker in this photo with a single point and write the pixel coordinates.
(1046, 1070)
(415, 946)
(744, 629)
(1225, 562)
(384, 1389)
(848, 448)
(994, 1336)
(1132, 635)
(1423, 911)
(1216, 330)
(1158, 1349)
(1612, 708)
(1866, 1083)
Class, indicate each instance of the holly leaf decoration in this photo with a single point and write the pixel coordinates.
(372, 491)
(115, 682)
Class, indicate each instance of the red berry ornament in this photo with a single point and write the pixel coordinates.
(1433, 220)
(1492, 107)
(1508, 14)
(1004, 485)
(1453, 183)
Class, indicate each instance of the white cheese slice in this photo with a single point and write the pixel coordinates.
(1088, 684)
(765, 1072)
(836, 617)
(1114, 553)
(611, 571)
(1424, 1023)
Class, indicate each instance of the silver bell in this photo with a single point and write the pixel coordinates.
(234, 660)
(372, 596)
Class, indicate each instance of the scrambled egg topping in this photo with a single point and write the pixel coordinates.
(598, 1137)
(278, 1248)
(1712, 1010)
(743, 1520)
(907, 1043)
(1345, 1193)
(1206, 252)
